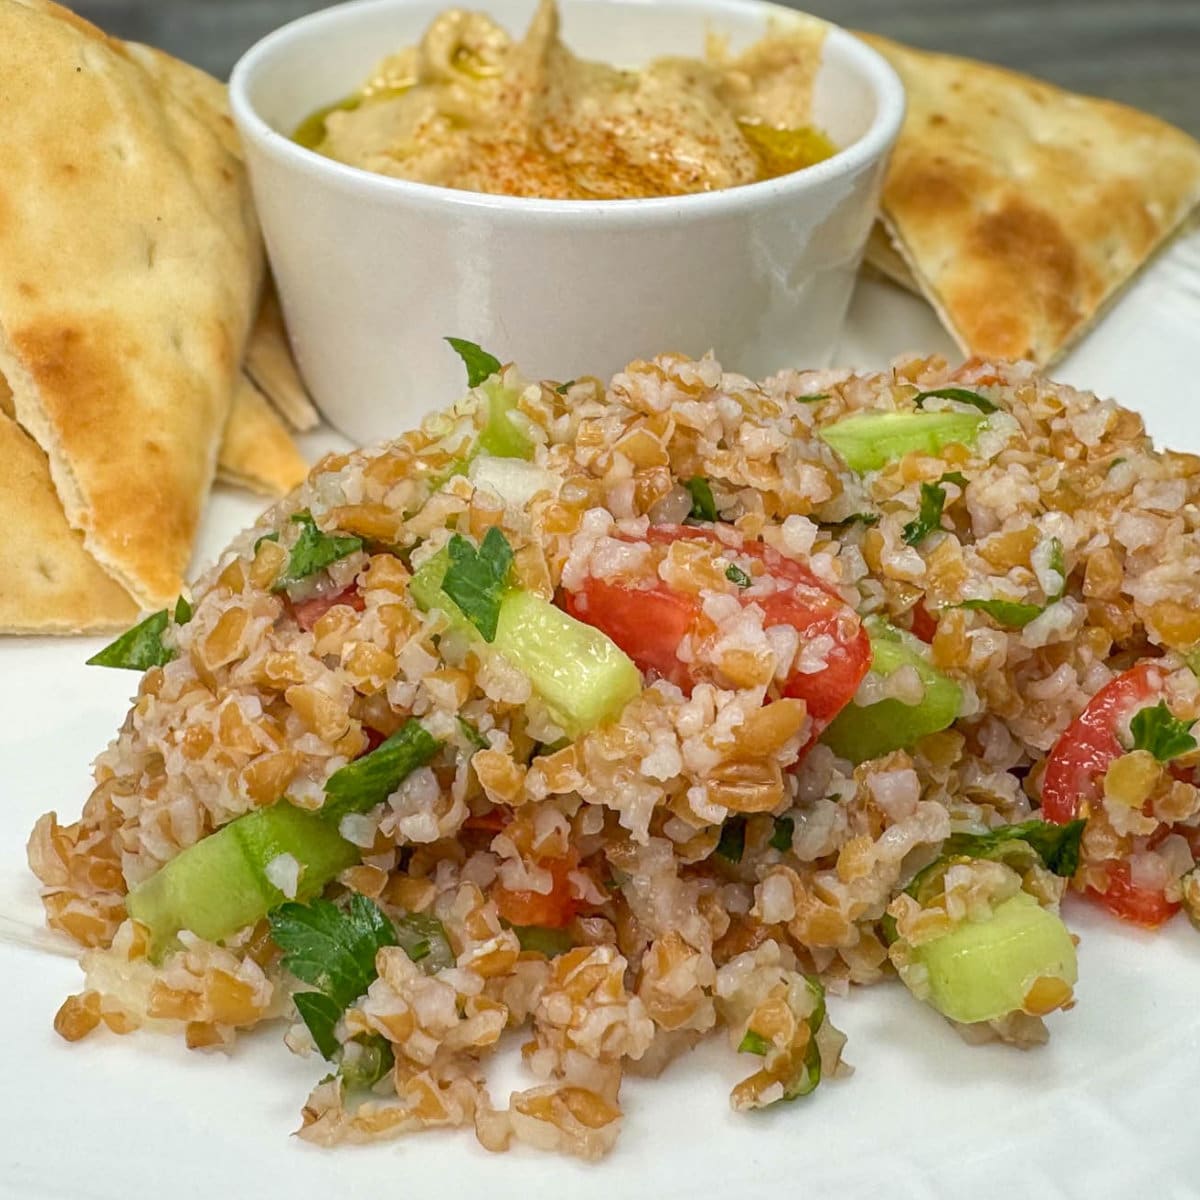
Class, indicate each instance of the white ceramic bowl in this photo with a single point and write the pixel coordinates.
(373, 271)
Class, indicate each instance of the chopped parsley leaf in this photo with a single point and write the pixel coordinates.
(367, 781)
(858, 518)
(704, 507)
(139, 648)
(1156, 730)
(476, 580)
(313, 551)
(962, 395)
(735, 574)
(334, 950)
(1058, 564)
(1055, 846)
(1012, 614)
(423, 938)
(781, 838)
(366, 1059)
(479, 363)
(732, 844)
(472, 734)
(542, 940)
(929, 517)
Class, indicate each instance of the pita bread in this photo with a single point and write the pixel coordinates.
(270, 364)
(272, 465)
(205, 95)
(257, 451)
(48, 581)
(882, 255)
(129, 264)
(1022, 209)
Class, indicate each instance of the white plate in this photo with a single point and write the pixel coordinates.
(1104, 1109)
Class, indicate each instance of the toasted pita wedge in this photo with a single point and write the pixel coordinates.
(48, 581)
(129, 268)
(270, 364)
(258, 452)
(1022, 209)
(200, 91)
(885, 258)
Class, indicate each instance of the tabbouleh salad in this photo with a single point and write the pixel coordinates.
(622, 715)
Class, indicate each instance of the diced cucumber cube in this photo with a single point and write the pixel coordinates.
(220, 884)
(1011, 962)
(868, 441)
(583, 677)
(860, 732)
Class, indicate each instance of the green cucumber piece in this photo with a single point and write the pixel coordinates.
(868, 441)
(220, 885)
(583, 677)
(984, 970)
(425, 588)
(501, 438)
(860, 732)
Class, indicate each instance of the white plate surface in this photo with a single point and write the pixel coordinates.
(1106, 1109)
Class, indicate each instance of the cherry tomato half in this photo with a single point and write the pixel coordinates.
(1077, 764)
(1074, 778)
(649, 622)
(1143, 906)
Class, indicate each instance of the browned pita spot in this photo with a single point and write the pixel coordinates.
(270, 364)
(129, 269)
(1020, 209)
(48, 581)
(258, 451)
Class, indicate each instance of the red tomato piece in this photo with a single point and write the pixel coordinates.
(493, 821)
(1074, 778)
(309, 612)
(1086, 749)
(650, 622)
(552, 910)
(1147, 907)
(923, 625)
(375, 739)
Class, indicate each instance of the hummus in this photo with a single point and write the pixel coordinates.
(470, 108)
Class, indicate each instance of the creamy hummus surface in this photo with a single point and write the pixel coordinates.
(470, 108)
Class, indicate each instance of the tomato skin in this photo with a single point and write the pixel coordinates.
(923, 624)
(554, 910)
(493, 821)
(308, 612)
(647, 623)
(650, 622)
(1074, 780)
(1076, 766)
(1140, 906)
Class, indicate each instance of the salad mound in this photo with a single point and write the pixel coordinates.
(621, 715)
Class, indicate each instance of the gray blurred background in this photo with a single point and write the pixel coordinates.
(1143, 52)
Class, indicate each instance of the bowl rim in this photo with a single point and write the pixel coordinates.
(875, 142)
